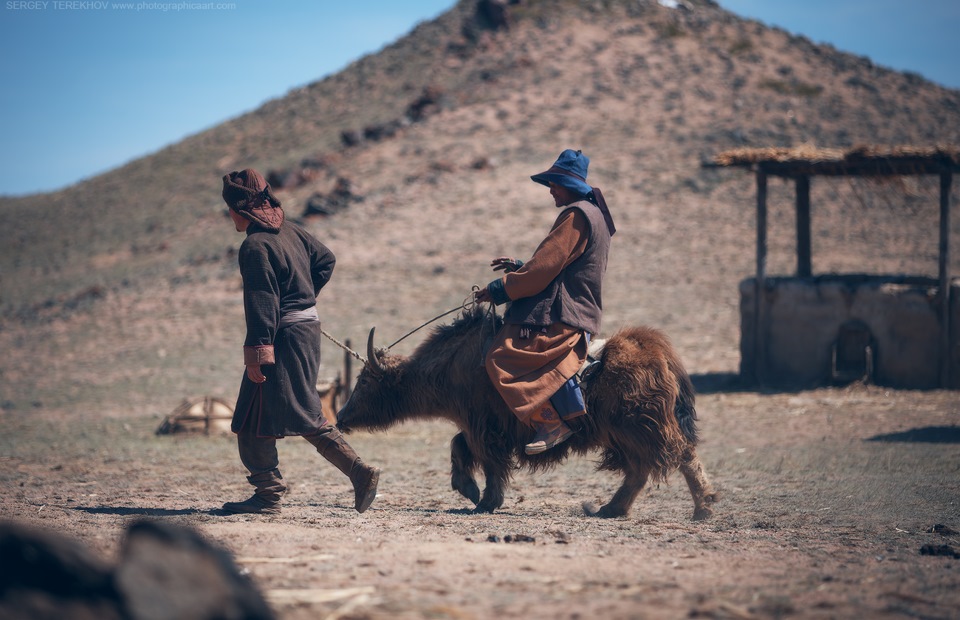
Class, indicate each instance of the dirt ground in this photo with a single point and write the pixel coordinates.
(832, 501)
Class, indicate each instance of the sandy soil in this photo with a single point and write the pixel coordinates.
(828, 499)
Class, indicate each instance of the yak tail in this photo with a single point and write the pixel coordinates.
(686, 410)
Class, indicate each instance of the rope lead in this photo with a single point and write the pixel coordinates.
(467, 304)
(343, 346)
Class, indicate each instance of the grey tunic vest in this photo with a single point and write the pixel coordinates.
(574, 296)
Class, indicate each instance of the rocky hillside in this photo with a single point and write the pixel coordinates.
(122, 291)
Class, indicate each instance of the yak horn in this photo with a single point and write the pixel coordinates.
(372, 357)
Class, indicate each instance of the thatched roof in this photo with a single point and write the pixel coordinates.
(861, 160)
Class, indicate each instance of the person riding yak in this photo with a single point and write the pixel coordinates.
(554, 307)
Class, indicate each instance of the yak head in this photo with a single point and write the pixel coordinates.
(379, 393)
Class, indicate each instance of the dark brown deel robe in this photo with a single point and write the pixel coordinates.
(283, 273)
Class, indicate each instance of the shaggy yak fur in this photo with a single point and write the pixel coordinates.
(640, 412)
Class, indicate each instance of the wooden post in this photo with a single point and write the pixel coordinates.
(758, 345)
(804, 268)
(347, 368)
(946, 179)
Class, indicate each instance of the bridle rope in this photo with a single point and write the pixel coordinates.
(343, 346)
(467, 304)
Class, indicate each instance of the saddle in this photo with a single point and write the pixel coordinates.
(592, 365)
(565, 407)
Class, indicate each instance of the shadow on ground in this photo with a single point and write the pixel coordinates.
(927, 434)
(718, 382)
(125, 511)
(714, 382)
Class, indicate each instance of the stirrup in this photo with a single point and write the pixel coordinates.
(589, 369)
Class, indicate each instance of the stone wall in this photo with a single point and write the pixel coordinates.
(802, 319)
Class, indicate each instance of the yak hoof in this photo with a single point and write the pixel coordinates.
(604, 512)
(702, 514)
(470, 490)
(488, 505)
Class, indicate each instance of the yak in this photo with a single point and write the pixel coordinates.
(640, 412)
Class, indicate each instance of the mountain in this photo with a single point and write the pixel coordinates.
(122, 291)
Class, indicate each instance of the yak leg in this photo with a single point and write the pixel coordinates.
(700, 488)
(496, 475)
(462, 467)
(619, 505)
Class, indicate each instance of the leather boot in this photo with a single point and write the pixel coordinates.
(550, 430)
(265, 500)
(331, 445)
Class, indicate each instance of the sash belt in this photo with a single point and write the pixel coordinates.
(298, 316)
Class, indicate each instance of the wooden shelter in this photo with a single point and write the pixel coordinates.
(803, 163)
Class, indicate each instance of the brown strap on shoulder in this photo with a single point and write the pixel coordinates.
(602, 204)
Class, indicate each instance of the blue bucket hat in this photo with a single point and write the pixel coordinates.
(569, 171)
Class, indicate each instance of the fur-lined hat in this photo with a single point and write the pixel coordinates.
(249, 194)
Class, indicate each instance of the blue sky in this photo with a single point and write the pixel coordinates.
(90, 85)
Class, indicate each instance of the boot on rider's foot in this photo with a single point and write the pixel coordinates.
(550, 430)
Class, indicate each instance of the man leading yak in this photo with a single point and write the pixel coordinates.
(554, 307)
(283, 269)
